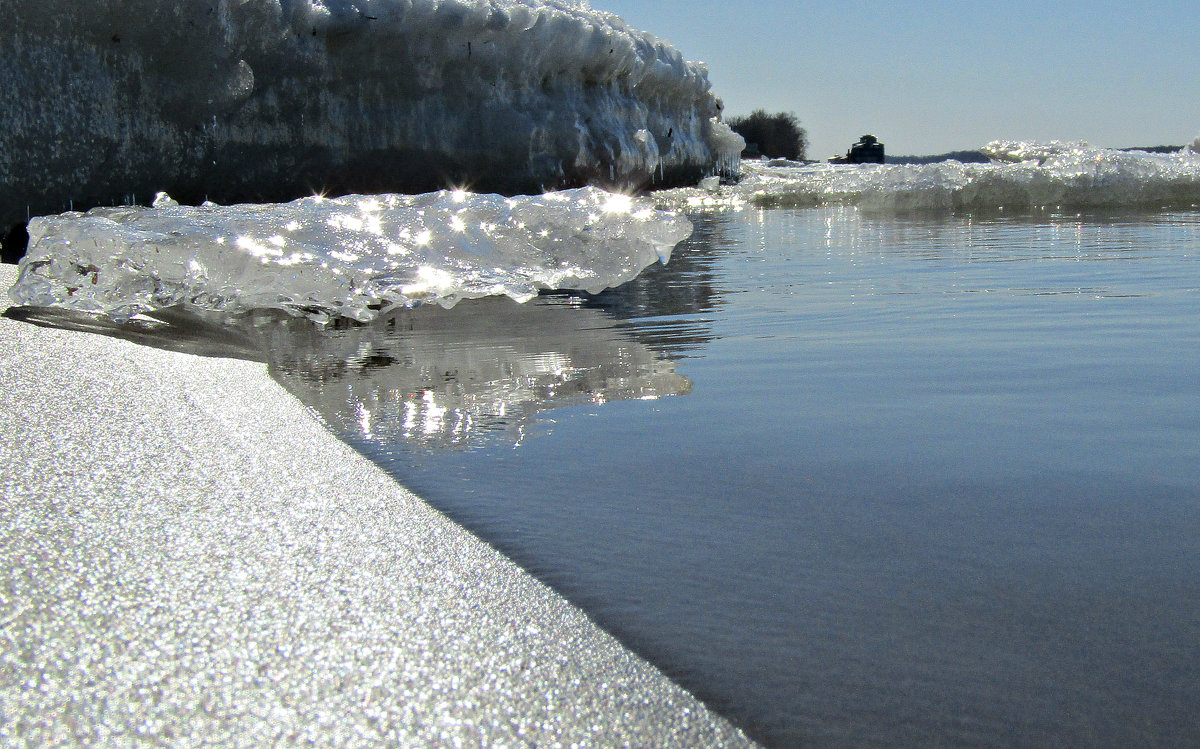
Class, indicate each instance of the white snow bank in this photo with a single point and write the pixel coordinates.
(354, 256)
(1021, 175)
(267, 100)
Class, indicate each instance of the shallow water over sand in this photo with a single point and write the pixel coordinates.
(854, 481)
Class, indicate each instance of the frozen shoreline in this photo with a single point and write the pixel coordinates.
(267, 101)
(189, 554)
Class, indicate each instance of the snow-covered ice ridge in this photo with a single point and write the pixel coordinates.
(267, 100)
(1021, 175)
(356, 256)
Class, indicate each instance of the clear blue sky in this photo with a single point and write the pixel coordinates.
(938, 76)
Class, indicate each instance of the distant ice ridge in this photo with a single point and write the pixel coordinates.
(1020, 175)
(355, 256)
(268, 100)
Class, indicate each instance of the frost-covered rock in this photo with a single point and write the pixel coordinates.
(267, 100)
(354, 256)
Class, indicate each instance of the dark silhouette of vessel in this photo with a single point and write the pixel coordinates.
(868, 150)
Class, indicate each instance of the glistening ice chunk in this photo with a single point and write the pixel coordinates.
(353, 256)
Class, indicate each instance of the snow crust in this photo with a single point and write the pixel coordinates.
(355, 256)
(1020, 175)
(268, 100)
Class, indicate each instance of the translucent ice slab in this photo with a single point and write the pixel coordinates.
(354, 256)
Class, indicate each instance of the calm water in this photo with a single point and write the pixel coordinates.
(853, 481)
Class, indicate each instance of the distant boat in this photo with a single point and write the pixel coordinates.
(868, 150)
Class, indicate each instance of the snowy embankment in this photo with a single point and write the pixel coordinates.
(270, 100)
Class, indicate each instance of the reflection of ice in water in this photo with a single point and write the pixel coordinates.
(484, 370)
(425, 419)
